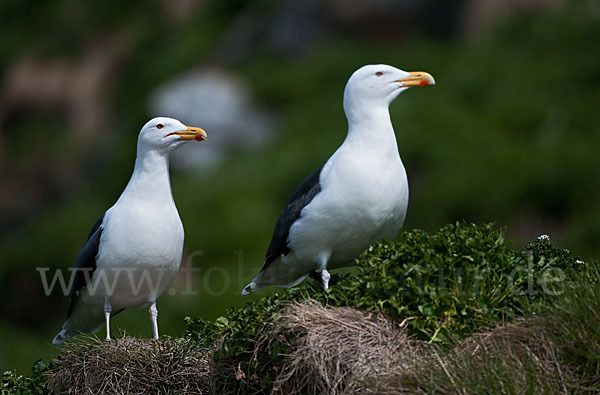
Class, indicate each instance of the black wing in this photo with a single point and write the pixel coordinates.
(305, 193)
(85, 263)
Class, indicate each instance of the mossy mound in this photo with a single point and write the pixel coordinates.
(445, 286)
(458, 310)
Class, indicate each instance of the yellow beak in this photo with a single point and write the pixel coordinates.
(417, 78)
(190, 133)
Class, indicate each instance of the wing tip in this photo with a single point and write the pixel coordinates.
(248, 289)
(61, 337)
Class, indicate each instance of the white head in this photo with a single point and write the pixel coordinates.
(166, 134)
(379, 84)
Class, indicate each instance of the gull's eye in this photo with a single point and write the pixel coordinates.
(160, 126)
(379, 73)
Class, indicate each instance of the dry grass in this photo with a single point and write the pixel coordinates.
(514, 358)
(345, 350)
(336, 349)
(514, 340)
(131, 366)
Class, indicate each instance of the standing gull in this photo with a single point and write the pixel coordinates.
(134, 250)
(359, 196)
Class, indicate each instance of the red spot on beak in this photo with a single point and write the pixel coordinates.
(424, 83)
(198, 138)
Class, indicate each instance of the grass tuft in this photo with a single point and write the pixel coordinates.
(336, 348)
(130, 366)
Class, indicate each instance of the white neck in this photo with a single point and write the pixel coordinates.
(371, 126)
(150, 179)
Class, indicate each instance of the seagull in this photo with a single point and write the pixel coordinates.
(134, 250)
(359, 196)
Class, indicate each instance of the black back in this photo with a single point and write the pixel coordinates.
(85, 264)
(308, 189)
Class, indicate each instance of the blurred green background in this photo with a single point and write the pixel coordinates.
(509, 133)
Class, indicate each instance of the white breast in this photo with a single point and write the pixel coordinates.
(140, 252)
(364, 198)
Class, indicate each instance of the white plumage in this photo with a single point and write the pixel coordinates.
(134, 251)
(359, 196)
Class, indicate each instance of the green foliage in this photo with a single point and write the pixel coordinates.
(544, 254)
(249, 320)
(450, 283)
(13, 383)
(457, 280)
